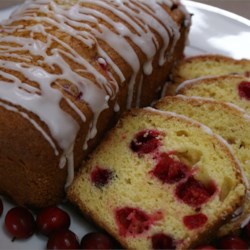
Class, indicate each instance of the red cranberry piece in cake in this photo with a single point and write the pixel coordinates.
(101, 176)
(232, 242)
(162, 241)
(73, 91)
(244, 90)
(145, 141)
(194, 193)
(63, 239)
(169, 170)
(97, 240)
(247, 73)
(195, 221)
(132, 221)
(103, 63)
(79, 96)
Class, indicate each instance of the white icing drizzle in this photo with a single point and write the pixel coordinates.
(183, 117)
(245, 222)
(191, 82)
(70, 161)
(81, 22)
(165, 88)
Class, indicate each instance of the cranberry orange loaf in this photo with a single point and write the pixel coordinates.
(67, 70)
(227, 120)
(228, 88)
(206, 65)
(159, 180)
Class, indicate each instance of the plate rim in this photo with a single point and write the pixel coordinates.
(217, 10)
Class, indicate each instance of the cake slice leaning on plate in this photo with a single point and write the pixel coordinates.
(206, 66)
(230, 122)
(229, 88)
(159, 180)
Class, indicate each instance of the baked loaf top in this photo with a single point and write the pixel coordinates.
(159, 181)
(227, 120)
(69, 67)
(228, 88)
(206, 66)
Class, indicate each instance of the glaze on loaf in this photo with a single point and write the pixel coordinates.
(67, 70)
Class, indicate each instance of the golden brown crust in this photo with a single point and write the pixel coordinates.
(23, 175)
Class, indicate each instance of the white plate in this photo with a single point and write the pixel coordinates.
(217, 31)
(213, 31)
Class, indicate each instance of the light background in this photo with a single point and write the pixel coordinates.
(240, 7)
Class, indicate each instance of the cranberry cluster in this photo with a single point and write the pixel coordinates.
(234, 242)
(54, 223)
(191, 191)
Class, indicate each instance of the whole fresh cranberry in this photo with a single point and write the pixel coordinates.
(162, 241)
(20, 223)
(232, 242)
(52, 219)
(63, 239)
(97, 240)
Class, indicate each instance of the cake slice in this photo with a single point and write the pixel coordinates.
(159, 181)
(234, 89)
(227, 120)
(206, 65)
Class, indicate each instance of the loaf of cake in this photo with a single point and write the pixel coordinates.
(67, 71)
(159, 180)
(229, 88)
(206, 65)
(227, 120)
